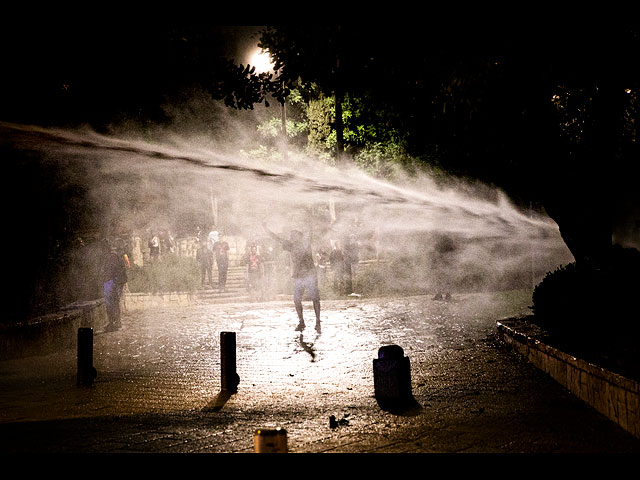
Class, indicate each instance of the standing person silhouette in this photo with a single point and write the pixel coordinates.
(221, 249)
(255, 273)
(114, 275)
(204, 261)
(303, 272)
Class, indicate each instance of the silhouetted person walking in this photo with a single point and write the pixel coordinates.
(204, 258)
(255, 273)
(442, 260)
(154, 247)
(114, 274)
(303, 272)
(221, 249)
(351, 257)
(336, 259)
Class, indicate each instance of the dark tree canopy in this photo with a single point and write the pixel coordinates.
(546, 111)
(550, 114)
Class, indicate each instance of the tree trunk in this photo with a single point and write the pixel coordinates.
(339, 129)
(284, 141)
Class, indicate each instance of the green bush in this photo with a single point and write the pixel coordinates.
(171, 274)
(383, 160)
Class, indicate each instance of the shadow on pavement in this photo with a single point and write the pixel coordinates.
(217, 403)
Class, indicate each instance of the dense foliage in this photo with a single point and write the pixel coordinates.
(172, 274)
(577, 299)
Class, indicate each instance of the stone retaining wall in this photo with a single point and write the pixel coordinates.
(613, 395)
(53, 332)
(142, 301)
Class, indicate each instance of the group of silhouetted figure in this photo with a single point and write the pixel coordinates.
(303, 269)
(213, 250)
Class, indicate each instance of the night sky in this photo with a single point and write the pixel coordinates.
(61, 73)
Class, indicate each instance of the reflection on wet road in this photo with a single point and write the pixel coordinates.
(159, 388)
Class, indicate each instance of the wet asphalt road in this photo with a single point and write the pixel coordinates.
(158, 386)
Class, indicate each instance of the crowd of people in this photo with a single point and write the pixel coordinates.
(266, 266)
(264, 261)
(291, 262)
(274, 262)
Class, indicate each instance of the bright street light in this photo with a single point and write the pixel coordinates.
(261, 60)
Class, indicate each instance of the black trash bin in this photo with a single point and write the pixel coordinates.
(392, 378)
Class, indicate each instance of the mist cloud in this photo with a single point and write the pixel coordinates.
(146, 177)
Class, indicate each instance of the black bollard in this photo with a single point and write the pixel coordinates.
(86, 372)
(229, 379)
(392, 378)
(270, 441)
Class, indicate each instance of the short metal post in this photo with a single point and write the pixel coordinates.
(270, 441)
(86, 372)
(392, 378)
(229, 379)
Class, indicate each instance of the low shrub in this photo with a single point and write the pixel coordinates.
(170, 274)
(581, 299)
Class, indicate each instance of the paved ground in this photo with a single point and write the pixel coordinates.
(158, 385)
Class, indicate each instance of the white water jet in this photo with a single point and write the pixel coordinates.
(406, 219)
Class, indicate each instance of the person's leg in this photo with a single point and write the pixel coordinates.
(112, 304)
(221, 277)
(117, 295)
(108, 300)
(316, 307)
(348, 279)
(298, 290)
(298, 305)
(315, 297)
